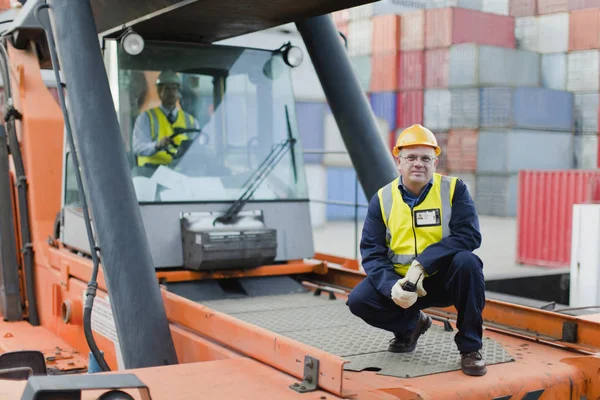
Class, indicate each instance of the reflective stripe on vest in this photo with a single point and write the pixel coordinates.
(400, 224)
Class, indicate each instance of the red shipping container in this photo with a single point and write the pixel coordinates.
(522, 8)
(411, 70)
(462, 150)
(581, 4)
(412, 31)
(386, 34)
(447, 26)
(437, 64)
(552, 6)
(545, 212)
(384, 72)
(410, 108)
(584, 29)
(442, 139)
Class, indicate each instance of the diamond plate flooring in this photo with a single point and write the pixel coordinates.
(329, 325)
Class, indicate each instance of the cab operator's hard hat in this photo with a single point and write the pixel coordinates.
(167, 77)
(416, 135)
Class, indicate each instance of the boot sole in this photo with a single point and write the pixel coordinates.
(424, 329)
(480, 372)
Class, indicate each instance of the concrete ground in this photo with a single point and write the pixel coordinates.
(498, 249)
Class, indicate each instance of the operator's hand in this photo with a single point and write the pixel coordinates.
(401, 297)
(163, 143)
(416, 274)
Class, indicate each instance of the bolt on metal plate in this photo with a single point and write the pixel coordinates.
(311, 376)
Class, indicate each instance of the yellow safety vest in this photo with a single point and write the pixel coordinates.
(160, 127)
(409, 232)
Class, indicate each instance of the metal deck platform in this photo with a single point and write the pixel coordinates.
(328, 325)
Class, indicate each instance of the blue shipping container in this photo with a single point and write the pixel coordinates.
(311, 125)
(384, 107)
(341, 185)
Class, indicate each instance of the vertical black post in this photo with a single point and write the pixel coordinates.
(137, 305)
(370, 155)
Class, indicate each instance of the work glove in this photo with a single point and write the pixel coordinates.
(401, 297)
(415, 274)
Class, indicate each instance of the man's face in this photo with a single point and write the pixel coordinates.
(417, 164)
(169, 94)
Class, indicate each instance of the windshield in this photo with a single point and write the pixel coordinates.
(234, 109)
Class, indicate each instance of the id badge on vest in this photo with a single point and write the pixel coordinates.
(424, 218)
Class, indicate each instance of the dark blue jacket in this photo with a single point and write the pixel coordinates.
(464, 235)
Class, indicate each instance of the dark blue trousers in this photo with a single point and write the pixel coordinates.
(461, 284)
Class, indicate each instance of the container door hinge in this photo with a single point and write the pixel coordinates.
(311, 376)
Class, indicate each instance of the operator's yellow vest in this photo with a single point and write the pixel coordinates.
(409, 232)
(160, 127)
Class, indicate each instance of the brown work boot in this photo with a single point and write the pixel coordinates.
(408, 343)
(473, 364)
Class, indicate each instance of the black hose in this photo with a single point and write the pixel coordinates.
(92, 284)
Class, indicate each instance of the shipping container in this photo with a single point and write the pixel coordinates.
(497, 195)
(583, 71)
(586, 112)
(544, 218)
(311, 125)
(526, 33)
(447, 26)
(412, 70)
(584, 29)
(462, 150)
(412, 28)
(586, 151)
(364, 11)
(552, 6)
(341, 16)
(523, 8)
(509, 151)
(385, 7)
(386, 34)
(476, 65)
(384, 72)
(465, 108)
(581, 4)
(554, 71)
(471, 4)
(384, 106)
(342, 186)
(437, 109)
(362, 67)
(360, 37)
(410, 108)
(469, 179)
(442, 141)
(437, 64)
(495, 6)
(553, 33)
(316, 180)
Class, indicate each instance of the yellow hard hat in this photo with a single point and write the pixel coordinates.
(416, 135)
(167, 77)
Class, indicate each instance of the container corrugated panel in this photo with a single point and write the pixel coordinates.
(465, 108)
(469, 26)
(586, 151)
(471, 4)
(495, 6)
(522, 8)
(364, 11)
(508, 151)
(554, 71)
(386, 34)
(362, 68)
(311, 125)
(384, 106)
(437, 64)
(360, 37)
(412, 70)
(384, 72)
(412, 28)
(542, 109)
(469, 179)
(552, 6)
(410, 108)
(438, 28)
(584, 29)
(526, 33)
(497, 195)
(553, 33)
(545, 212)
(437, 109)
(385, 7)
(462, 150)
(442, 140)
(581, 4)
(495, 107)
(341, 16)
(586, 112)
(342, 186)
(583, 71)
(316, 180)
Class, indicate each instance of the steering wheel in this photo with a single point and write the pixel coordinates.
(186, 144)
